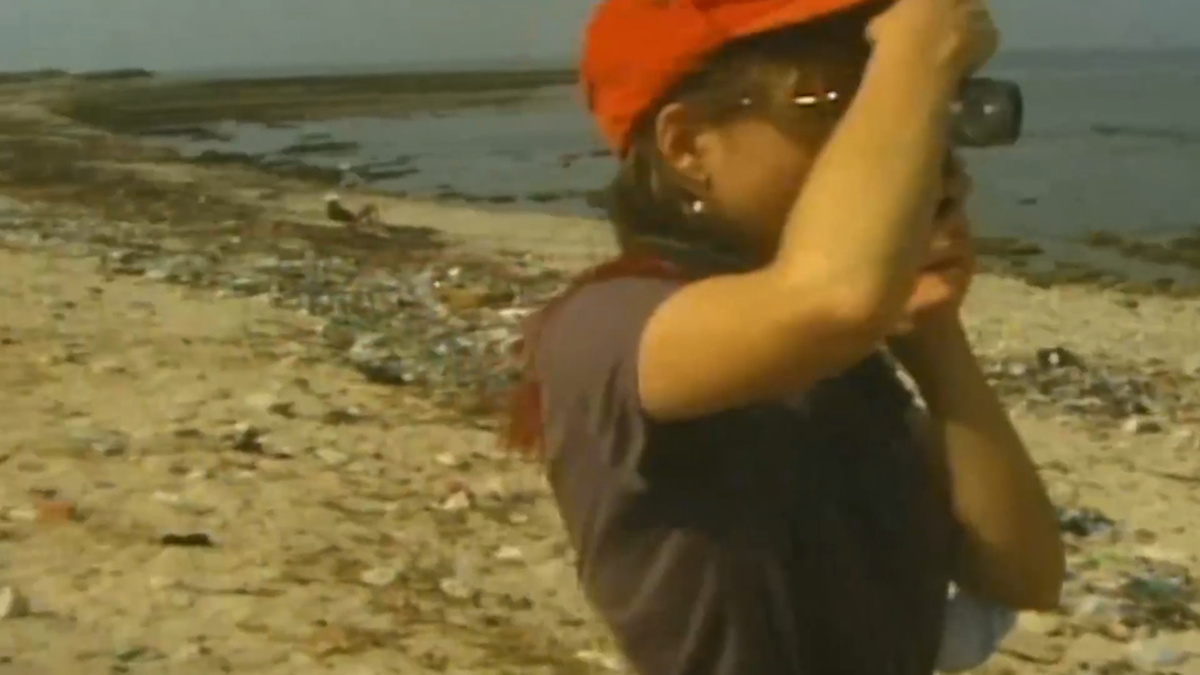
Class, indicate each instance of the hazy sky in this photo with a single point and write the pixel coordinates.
(202, 34)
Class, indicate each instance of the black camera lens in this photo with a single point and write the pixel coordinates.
(988, 113)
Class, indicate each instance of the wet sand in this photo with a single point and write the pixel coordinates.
(208, 469)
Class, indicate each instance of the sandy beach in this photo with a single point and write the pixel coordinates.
(240, 438)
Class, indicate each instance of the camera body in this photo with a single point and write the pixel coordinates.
(988, 113)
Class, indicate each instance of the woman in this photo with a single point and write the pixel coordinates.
(748, 486)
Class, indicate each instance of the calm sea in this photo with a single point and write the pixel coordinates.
(1112, 143)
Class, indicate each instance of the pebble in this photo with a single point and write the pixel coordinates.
(380, 576)
(332, 457)
(455, 588)
(509, 554)
(13, 603)
(24, 514)
(459, 501)
(595, 658)
(449, 459)
(1141, 425)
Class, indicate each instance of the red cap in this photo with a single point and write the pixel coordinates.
(636, 50)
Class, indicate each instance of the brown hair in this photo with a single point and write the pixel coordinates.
(658, 236)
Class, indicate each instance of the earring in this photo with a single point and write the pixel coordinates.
(697, 206)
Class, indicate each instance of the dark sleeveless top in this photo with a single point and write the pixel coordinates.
(804, 536)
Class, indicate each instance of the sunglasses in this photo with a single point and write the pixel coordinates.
(987, 113)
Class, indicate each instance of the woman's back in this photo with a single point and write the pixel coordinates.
(809, 535)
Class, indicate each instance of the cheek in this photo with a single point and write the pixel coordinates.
(761, 185)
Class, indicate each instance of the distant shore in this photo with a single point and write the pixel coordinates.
(135, 101)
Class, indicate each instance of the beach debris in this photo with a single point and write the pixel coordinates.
(1138, 398)
(1141, 425)
(1084, 522)
(1058, 357)
(245, 437)
(1156, 655)
(102, 441)
(335, 211)
(1162, 594)
(55, 511)
(188, 540)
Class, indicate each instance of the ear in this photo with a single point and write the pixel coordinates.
(684, 146)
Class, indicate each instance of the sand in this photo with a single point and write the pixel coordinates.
(186, 486)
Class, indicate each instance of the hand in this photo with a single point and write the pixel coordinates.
(943, 284)
(954, 37)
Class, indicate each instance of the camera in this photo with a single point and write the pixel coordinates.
(988, 113)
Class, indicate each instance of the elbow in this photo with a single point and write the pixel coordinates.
(1027, 580)
(1044, 597)
(868, 315)
(858, 302)
(1044, 580)
(1042, 594)
(1037, 590)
